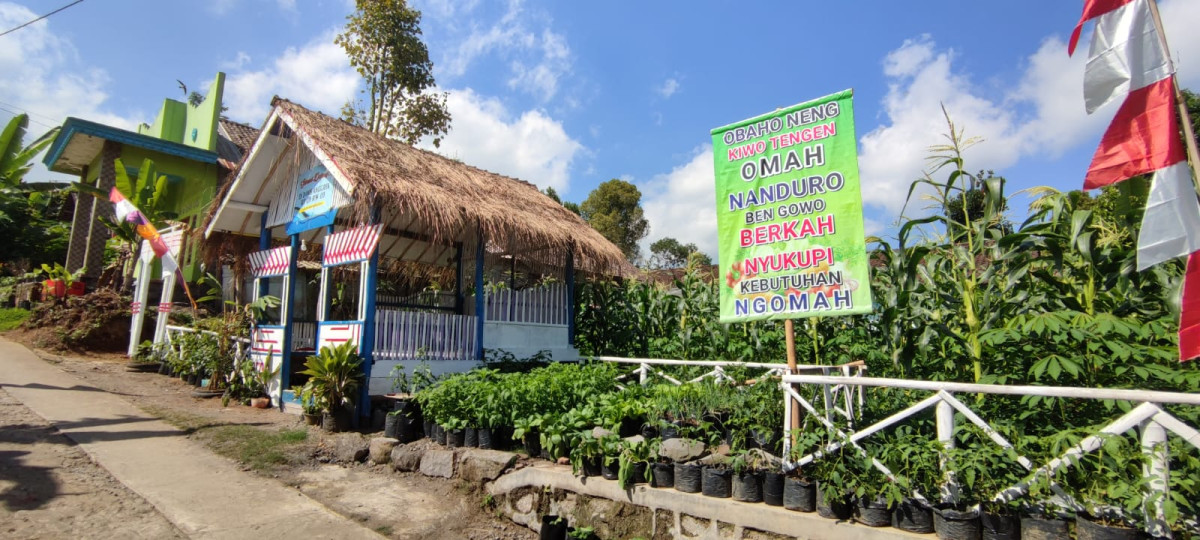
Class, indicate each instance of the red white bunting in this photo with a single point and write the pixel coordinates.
(270, 262)
(1129, 60)
(351, 245)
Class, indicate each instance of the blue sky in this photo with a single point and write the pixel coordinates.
(570, 94)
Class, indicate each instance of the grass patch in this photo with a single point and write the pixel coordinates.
(11, 318)
(259, 449)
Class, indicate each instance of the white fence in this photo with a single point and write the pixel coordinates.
(538, 305)
(240, 345)
(1153, 421)
(842, 399)
(415, 335)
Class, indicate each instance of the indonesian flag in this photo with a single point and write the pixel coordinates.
(1128, 60)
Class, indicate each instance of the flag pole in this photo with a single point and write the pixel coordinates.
(1189, 136)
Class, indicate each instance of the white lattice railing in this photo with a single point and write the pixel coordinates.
(415, 335)
(174, 344)
(840, 399)
(536, 305)
(1154, 423)
(304, 335)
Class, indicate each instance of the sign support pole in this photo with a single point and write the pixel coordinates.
(789, 333)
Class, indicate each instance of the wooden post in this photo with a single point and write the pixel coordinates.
(1189, 136)
(480, 299)
(790, 338)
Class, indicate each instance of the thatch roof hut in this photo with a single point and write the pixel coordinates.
(425, 198)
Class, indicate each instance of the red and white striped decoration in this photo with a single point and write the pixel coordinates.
(271, 262)
(266, 340)
(135, 308)
(339, 333)
(351, 245)
(164, 307)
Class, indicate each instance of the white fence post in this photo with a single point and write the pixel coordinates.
(1156, 470)
(945, 434)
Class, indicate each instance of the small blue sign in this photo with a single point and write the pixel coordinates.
(314, 201)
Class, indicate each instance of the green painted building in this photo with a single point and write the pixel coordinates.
(191, 145)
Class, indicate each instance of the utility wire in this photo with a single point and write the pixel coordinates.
(11, 30)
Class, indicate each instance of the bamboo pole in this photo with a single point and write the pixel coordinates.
(1189, 135)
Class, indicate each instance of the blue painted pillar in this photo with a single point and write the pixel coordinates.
(289, 307)
(264, 243)
(570, 300)
(480, 305)
(368, 334)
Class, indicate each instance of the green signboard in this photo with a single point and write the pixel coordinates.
(789, 214)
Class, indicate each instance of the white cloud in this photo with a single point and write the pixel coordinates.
(668, 88)
(530, 146)
(1040, 115)
(240, 61)
(44, 77)
(681, 204)
(1179, 18)
(317, 75)
(538, 58)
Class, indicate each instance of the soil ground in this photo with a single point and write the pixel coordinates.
(90, 503)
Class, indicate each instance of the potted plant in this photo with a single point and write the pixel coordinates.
(634, 460)
(1109, 483)
(308, 403)
(916, 464)
(747, 478)
(833, 487)
(335, 374)
(60, 283)
(874, 493)
(146, 359)
(586, 455)
(799, 489)
(716, 479)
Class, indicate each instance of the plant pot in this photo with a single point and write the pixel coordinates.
(1038, 528)
(428, 426)
(54, 287)
(407, 429)
(143, 367)
(952, 524)
(670, 431)
(312, 419)
(649, 432)
(77, 289)
(913, 516)
(439, 434)
(837, 508)
(337, 420)
(638, 475)
(799, 494)
(1000, 526)
(391, 426)
(610, 470)
(260, 402)
(630, 426)
(484, 436)
(772, 487)
(591, 467)
(553, 528)
(716, 482)
(533, 444)
(688, 478)
(471, 438)
(1087, 529)
(747, 487)
(873, 513)
(662, 475)
(455, 438)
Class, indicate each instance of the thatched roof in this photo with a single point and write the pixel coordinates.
(441, 200)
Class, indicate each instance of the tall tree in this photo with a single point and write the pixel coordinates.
(574, 207)
(28, 212)
(667, 252)
(382, 38)
(615, 209)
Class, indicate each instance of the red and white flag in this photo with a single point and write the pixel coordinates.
(1128, 60)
